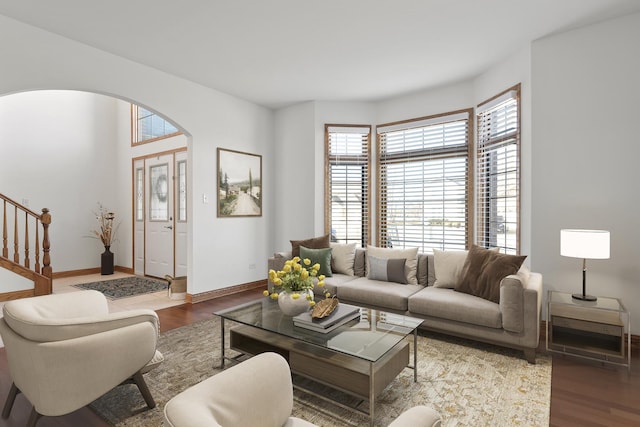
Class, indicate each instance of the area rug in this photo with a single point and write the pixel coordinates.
(468, 383)
(126, 286)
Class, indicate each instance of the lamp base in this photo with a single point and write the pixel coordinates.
(583, 297)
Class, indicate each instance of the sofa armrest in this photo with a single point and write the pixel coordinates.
(517, 309)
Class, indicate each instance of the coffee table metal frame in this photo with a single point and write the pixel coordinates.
(261, 326)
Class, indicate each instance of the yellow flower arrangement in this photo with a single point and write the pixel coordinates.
(295, 278)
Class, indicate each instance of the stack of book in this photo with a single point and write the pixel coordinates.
(341, 315)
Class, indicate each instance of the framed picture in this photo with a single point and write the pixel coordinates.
(239, 183)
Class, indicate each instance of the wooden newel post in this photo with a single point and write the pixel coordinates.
(46, 244)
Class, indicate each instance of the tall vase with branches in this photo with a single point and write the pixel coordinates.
(106, 233)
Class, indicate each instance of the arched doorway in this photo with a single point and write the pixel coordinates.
(69, 150)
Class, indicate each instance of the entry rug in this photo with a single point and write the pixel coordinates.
(468, 383)
(126, 286)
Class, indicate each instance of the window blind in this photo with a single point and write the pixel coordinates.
(498, 172)
(347, 190)
(424, 182)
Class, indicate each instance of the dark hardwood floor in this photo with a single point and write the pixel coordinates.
(582, 393)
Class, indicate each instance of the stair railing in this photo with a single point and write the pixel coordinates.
(19, 222)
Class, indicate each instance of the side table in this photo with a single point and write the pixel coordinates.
(592, 330)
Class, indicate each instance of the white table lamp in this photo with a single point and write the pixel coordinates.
(585, 244)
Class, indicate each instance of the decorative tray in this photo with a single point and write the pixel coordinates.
(324, 308)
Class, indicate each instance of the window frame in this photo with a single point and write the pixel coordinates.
(365, 238)
(423, 155)
(135, 124)
(484, 143)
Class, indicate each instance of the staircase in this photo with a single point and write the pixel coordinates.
(22, 230)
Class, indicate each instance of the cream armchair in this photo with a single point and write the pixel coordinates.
(257, 392)
(66, 350)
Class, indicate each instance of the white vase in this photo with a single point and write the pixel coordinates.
(293, 307)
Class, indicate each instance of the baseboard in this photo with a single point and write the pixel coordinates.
(217, 293)
(127, 270)
(86, 271)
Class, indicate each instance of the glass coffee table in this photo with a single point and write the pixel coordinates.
(359, 358)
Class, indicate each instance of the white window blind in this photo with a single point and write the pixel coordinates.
(498, 172)
(347, 190)
(424, 182)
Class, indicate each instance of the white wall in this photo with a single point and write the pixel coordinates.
(295, 181)
(425, 103)
(586, 104)
(58, 151)
(221, 251)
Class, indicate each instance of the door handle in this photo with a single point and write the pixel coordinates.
(170, 227)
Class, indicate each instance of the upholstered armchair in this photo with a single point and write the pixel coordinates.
(256, 392)
(66, 350)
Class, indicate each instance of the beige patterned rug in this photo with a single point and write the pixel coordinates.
(469, 383)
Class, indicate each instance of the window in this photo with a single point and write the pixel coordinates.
(147, 126)
(424, 182)
(347, 187)
(498, 172)
(139, 194)
(159, 191)
(182, 191)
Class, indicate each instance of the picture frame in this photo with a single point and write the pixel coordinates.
(239, 183)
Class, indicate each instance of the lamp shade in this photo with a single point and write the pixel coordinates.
(587, 244)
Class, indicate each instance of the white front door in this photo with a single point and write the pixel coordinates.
(159, 223)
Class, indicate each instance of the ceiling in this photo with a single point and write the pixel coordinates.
(279, 52)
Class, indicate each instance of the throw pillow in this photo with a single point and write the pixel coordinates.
(312, 243)
(411, 255)
(448, 266)
(483, 271)
(387, 270)
(318, 256)
(343, 256)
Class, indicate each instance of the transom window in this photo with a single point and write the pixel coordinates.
(147, 126)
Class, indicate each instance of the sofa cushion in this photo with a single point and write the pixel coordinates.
(484, 269)
(411, 255)
(360, 262)
(448, 266)
(313, 243)
(451, 305)
(331, 284)
(343, 256)
(386, 295)
(387, 270)
(318, 256)
(422, 270)
(431, 270)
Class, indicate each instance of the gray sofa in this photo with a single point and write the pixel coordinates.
(513, 322)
